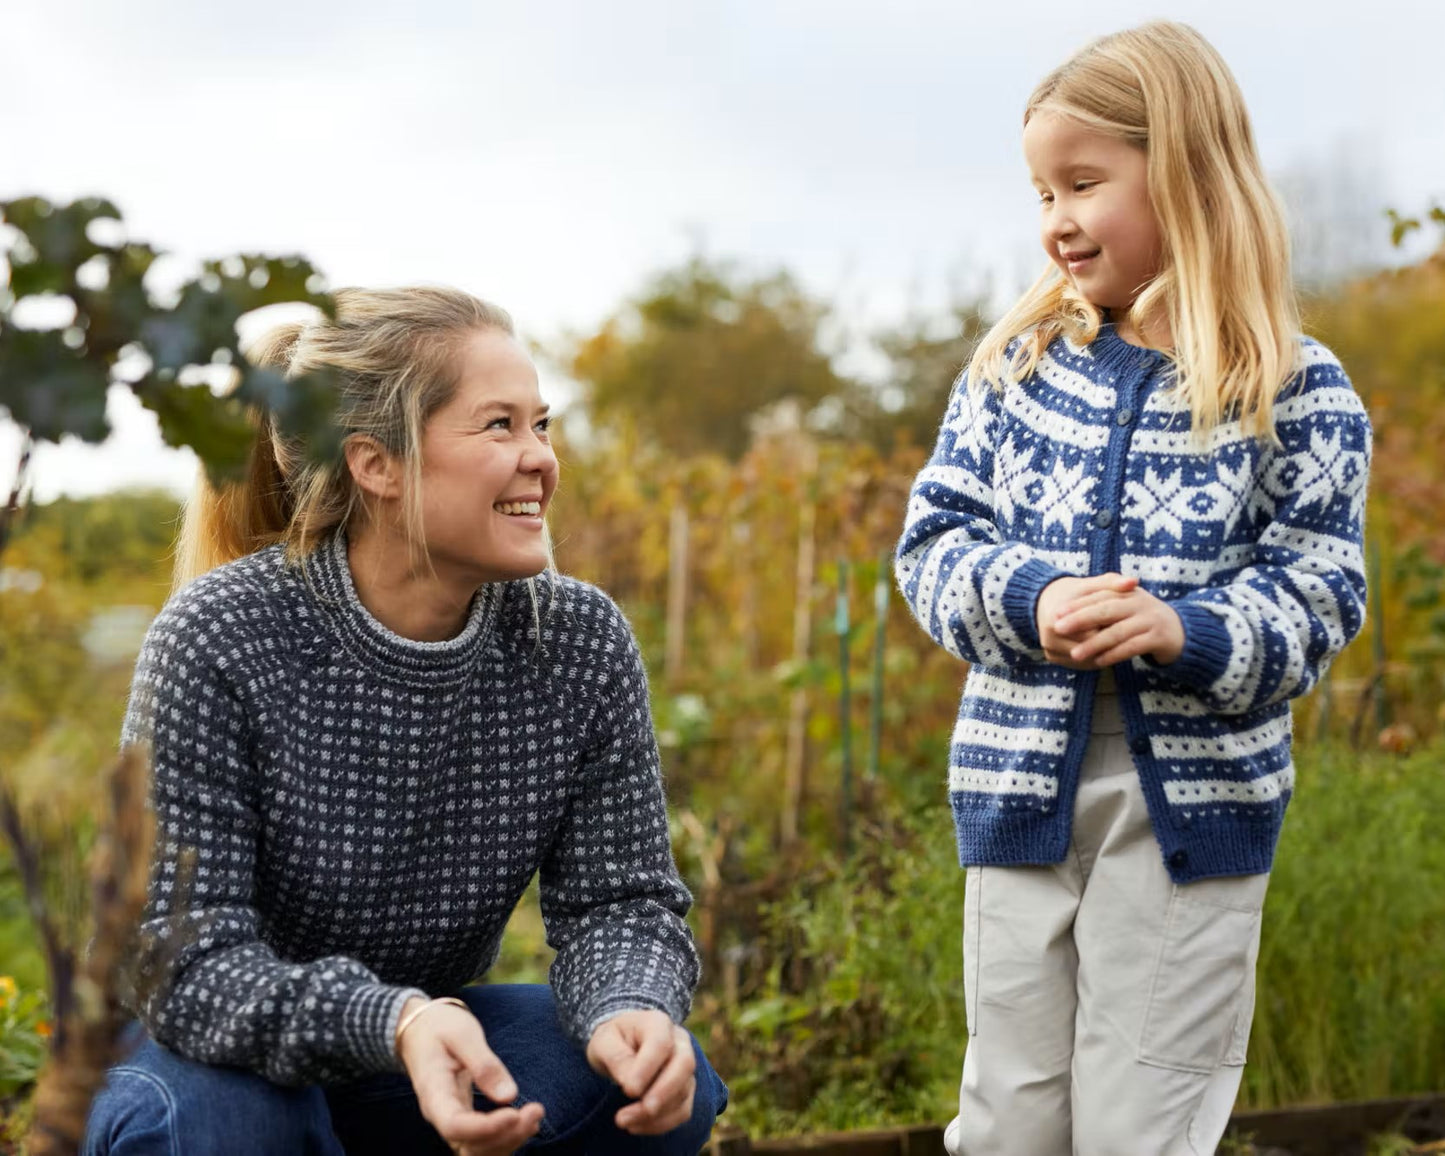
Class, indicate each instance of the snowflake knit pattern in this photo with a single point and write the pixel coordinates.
(366, 810)
(1089, 466)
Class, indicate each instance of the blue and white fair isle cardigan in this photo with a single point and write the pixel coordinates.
(1086, 467)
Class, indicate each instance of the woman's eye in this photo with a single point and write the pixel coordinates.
(500, 423)
(544, 426)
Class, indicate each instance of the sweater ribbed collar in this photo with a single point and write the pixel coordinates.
(378, 648)
(1115, 355)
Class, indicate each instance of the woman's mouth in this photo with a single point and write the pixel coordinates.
(519, 509)
(1077, 262)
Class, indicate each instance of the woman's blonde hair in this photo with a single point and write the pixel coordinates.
(1224, 281)
(395, 353)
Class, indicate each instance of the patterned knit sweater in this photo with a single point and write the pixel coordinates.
(366, 811)
(1086, 467)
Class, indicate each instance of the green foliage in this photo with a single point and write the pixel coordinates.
(1351, 992)
(700, 353)
(24, 1029)
(859, 1019)
(53, 380)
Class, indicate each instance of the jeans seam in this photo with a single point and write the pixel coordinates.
(166, 1098)
(586, 1120)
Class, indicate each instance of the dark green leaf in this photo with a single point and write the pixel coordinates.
(217, 428)
(51, 389)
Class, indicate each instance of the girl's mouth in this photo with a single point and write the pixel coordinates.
(1077, 262)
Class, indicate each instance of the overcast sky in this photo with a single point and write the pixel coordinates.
(550, 156)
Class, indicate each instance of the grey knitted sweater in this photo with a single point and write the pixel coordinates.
(366, 811)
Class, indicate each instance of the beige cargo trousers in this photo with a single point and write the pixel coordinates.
(1108, 1008)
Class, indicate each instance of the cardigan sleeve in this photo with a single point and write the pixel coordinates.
(611, 897)
(205, 985)
(975, 592)
(1270, 630)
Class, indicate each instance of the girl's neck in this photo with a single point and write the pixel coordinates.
(408, 600)
(1154, 333)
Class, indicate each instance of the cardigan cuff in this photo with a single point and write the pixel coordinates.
(1207, 647)
(1021, 598)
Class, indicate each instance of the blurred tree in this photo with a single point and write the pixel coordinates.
(926, 355)
(701, 354)
(110, 537)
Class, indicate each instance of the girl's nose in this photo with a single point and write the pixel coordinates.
(1059, 225)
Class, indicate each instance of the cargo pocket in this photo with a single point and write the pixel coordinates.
(972, 920)
(1201, 1000)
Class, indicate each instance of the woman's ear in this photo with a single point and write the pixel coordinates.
(376, 473)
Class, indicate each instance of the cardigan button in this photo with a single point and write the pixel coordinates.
(1179, 860)
(1104, 519)
(1124, 417)
(1139, 744)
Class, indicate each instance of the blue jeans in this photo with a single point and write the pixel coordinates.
(154, 1103)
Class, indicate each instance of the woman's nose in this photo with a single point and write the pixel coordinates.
(539, 458)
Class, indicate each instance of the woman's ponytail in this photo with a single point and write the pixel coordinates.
(223, 523)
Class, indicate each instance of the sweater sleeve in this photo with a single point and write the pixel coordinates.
(205, 985)
(974, 591)
(611, 896)
(1270, 631)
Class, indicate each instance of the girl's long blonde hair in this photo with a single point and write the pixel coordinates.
(1224, 281)
(395, 352)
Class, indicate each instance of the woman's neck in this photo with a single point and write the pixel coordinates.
(419, 605)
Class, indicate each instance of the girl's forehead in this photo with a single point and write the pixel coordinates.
(1054, 139)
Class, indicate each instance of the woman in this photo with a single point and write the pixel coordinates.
(375, 712)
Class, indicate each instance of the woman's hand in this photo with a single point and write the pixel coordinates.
(1063, 594)
(1112, 625)
(651, 1059)
(445, 1053)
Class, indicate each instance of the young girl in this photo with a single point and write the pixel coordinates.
(1141, 527)
(375, 712)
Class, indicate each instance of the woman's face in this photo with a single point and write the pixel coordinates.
(487, 467)
(1098, 226)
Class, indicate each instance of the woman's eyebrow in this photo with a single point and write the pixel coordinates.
(497, 405)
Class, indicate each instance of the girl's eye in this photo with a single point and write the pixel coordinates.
(1084, 186)
(1046, 198)
(544, 426)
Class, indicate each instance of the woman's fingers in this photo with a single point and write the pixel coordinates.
(485, 1070)
(500, 1130)
(668, 1101)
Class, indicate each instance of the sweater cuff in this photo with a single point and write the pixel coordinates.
(1021, 598)
(1207, 647)
(675, 1005)
(371, 1016)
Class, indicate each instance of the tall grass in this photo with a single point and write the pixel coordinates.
(860, 1021)
(1352, 965)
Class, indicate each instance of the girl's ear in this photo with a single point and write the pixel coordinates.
(376, 473)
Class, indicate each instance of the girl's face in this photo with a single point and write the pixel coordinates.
(487, 467)
(1098, 224)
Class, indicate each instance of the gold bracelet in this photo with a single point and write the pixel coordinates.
(408, 1020)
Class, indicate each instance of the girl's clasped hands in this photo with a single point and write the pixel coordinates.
(1092, 623)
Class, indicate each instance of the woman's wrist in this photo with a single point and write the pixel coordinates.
(414, 1009)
